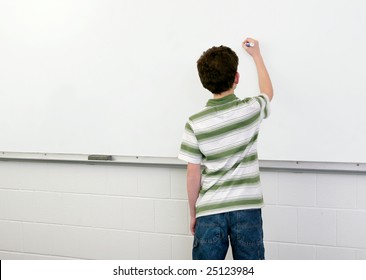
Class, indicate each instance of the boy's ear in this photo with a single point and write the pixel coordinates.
(237, 77)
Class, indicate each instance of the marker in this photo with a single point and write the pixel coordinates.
(251, 44)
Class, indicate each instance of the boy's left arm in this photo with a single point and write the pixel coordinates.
(193, 189)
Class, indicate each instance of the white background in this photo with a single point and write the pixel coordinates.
(104, 269)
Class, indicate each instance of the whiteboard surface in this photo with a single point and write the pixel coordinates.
(119, 77)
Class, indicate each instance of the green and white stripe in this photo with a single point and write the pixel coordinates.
(223, 137)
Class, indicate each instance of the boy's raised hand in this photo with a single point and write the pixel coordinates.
(252, 50)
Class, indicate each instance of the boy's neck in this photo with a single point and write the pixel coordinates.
(223, 94)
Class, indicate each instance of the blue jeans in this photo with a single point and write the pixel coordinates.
(243, 228)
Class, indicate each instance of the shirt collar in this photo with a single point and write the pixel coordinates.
(221, 101)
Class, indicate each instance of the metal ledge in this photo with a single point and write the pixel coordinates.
(265, 165)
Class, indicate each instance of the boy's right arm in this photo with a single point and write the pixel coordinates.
(265, 84)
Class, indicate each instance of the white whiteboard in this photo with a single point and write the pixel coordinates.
(119, 77)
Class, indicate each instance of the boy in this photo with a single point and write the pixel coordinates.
(225, 200)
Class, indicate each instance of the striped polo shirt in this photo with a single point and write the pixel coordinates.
(223, 138)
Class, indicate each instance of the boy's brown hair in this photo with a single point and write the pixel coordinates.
(217, 68)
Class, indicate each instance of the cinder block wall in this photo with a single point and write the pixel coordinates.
(315, 215)
(77, 211)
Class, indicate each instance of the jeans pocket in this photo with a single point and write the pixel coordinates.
(249, 228)
(208, 230)
(250, 236)
(209, 240)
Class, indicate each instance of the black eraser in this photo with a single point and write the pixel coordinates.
(100, 157)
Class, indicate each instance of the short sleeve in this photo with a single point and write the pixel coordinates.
(189, 150)
(265, 107)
